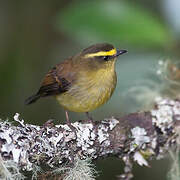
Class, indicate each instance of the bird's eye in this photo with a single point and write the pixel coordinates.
(105, 58)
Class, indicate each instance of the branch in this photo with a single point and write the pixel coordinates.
(135, 137)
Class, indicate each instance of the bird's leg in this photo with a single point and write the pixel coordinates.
(71, 157)
(69, 122)
(90, 119)
(67, 117)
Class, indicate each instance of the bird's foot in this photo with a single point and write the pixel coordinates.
(72, 127)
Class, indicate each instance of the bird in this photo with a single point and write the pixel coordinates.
(83, 82)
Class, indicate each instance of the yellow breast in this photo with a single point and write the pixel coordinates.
(91, 90)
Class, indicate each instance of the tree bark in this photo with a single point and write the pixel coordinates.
(135, 137)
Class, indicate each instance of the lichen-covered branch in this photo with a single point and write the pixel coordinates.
(135, 137)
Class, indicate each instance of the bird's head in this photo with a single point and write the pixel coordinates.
(99, 56)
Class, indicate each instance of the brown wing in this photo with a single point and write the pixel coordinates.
(58, 80)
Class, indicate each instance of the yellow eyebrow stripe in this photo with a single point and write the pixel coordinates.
(102, 53)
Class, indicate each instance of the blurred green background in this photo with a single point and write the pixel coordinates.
(36, 35)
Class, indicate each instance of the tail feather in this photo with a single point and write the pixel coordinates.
(32, 99)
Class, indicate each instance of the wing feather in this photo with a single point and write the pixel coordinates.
(58, 80)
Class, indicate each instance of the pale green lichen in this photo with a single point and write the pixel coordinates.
(140, 138)
(82, 169)
(140, 159)
(9, 170)
(174, 172)
(162, 117)
(36, 171)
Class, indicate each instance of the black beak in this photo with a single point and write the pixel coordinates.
(119, 52)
